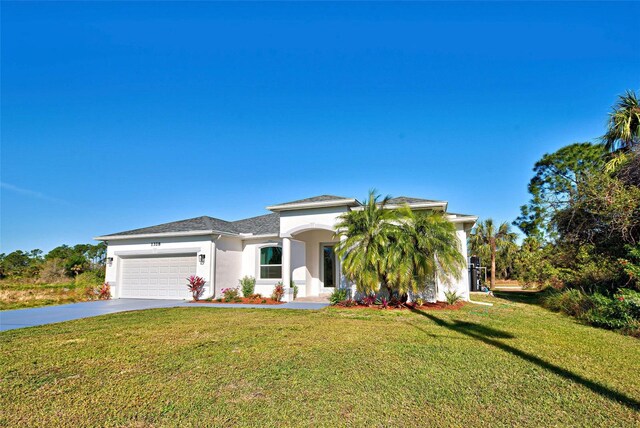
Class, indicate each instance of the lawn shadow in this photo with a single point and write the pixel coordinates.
(489, 335)
(530, 298)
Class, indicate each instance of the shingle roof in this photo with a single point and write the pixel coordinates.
(407, 200)
(320, 198)
(203, 223)
(261, 225)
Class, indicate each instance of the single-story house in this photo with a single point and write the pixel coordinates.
(295, 242)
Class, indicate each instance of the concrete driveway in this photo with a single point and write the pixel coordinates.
(20, 318)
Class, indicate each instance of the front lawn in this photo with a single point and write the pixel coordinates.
(513, 364)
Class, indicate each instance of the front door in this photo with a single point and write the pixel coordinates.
(328, 266)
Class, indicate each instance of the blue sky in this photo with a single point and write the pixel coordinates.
(119, 115)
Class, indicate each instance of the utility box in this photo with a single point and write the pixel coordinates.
(474, 273)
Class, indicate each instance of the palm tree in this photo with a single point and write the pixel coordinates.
(487, 239)
(366, 237)
(624, 123)
(397, 249)
(427, 247)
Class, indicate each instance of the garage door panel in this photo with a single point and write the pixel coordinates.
(157, 277)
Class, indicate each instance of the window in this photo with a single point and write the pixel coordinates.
(271, 262)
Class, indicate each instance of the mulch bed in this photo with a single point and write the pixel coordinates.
(437, 306)
(244, 300)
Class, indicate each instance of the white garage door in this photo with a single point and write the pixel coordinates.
(157, 277)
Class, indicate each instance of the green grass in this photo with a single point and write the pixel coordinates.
(18, 295)
(513, 364)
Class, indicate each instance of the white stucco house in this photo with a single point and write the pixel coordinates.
(294, 242)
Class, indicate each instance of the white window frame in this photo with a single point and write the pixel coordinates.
(259, 273)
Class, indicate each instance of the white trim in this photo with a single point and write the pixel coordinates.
(164, 234)
(319, 204)
(437, 204)
(336, 277)
(307, 227)
(259, 248)
(158, 252)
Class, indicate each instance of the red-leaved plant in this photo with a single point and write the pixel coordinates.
(105, 292)
(278, 292)
(196, 286)
(384, 302)
(369, 300)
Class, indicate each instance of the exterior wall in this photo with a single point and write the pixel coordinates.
(316, 218)
(228, 260)
(312, 240)
(196, 245)
(461, 286)
(299, 266)
(251, 265)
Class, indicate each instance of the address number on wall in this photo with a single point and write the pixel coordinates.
(155, 244)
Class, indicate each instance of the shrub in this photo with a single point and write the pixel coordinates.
(452, 297)
(90, 278)
(571, 302)
(338, 295)
(196, 286)
(255, 296)
(278, 292)
(295, 290)
(419, 301)
(369, 300)
(384, 302)
(105, 292)
(230, 294)
(248, 285)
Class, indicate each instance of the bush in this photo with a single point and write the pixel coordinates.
(278, 292)
(338, 295)
(90, 278)
(571, 302)
(295, 290)
(620, 312)
(195, 285)
(231, 294)
(248, 285)
(452, 297)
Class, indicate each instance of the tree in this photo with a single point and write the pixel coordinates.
(558, 180)
(397, 249)
(623, 127)
(425, 248)
(366, 236)
(487, 238)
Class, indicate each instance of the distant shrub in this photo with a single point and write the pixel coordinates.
(572, 302)
(105, 292)
(338, 295)
(52, 271)
(278, 292)
(195, 284)
(248, 285)
(90, 278)
(620, 312)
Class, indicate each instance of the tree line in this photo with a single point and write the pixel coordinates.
(60, 264)
(582, 223)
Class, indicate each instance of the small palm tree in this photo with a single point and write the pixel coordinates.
(623, 128)
(486, 238)
(367, 235)
(426, 247)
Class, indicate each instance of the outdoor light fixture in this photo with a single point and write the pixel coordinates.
(201, 259)
(109, 261)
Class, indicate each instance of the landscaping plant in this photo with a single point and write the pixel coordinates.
(452, 297)
(195, 284)
(231, 295)
(278, 292)
(338, 295)
(248, 285)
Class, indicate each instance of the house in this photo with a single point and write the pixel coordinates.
(295, 242)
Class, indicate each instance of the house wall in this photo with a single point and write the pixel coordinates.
(309, 218)
(461, 286)
(228, 263)
(167, 246)
(312, 240)
(251, 265)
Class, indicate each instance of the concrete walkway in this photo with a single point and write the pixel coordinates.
(31, 317)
